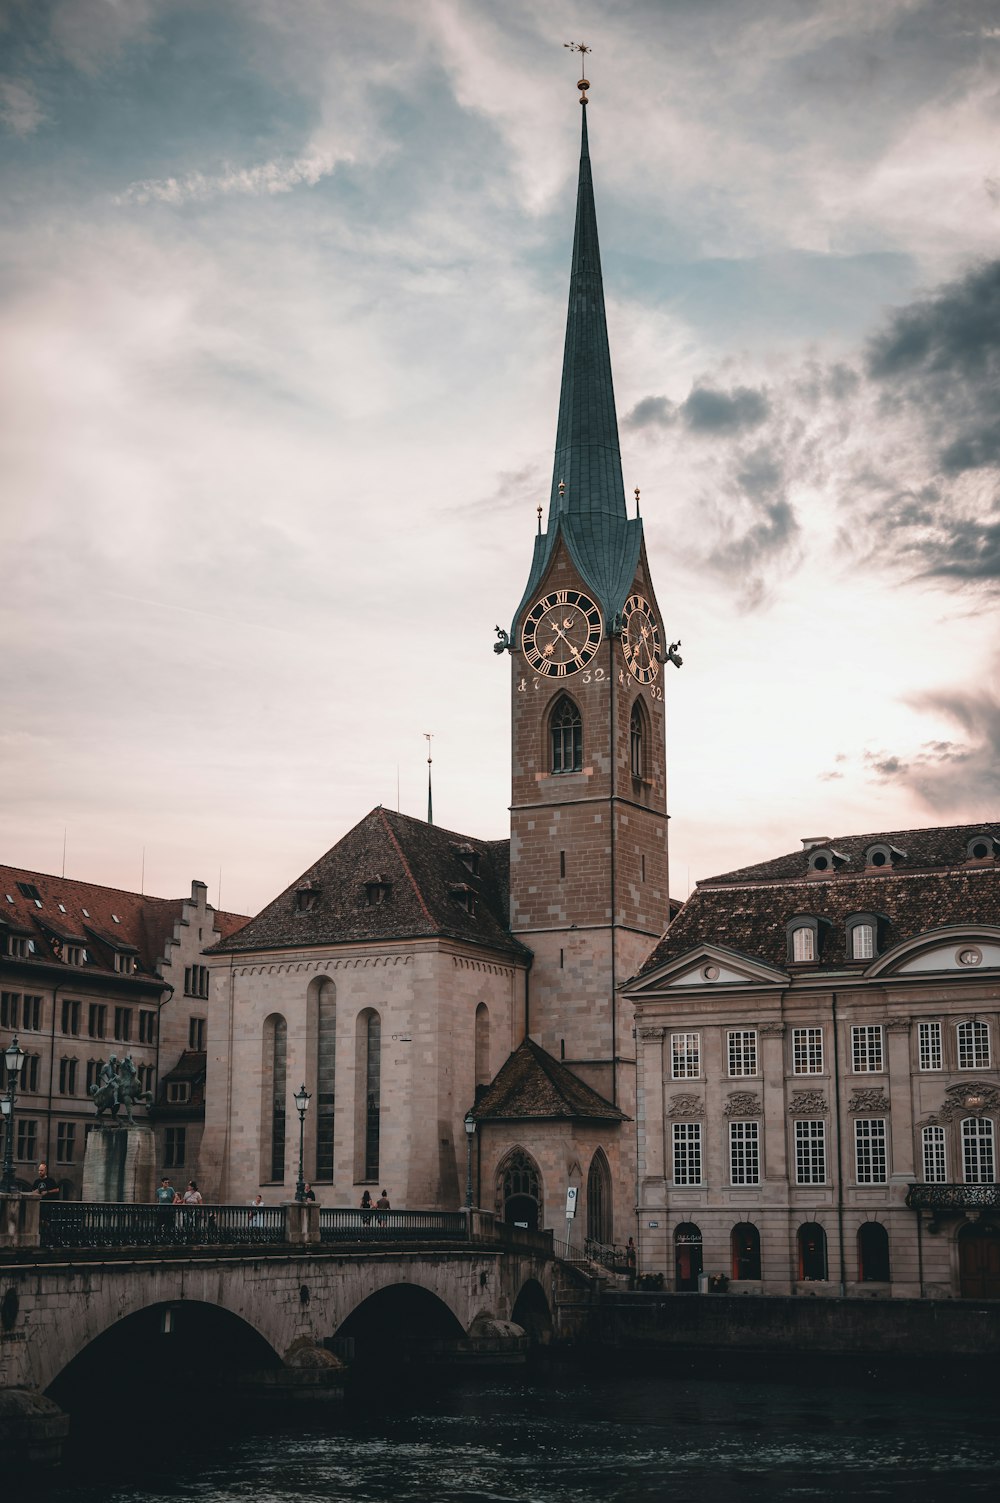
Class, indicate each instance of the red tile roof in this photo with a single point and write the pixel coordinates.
(533, 1085)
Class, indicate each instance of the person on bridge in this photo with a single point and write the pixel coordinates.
(381, 1206)
(45, 1186)
(366, 1209)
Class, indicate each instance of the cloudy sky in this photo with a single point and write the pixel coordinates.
(283, 286)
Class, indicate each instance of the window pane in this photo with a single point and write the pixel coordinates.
(866, 1048)
(977, 1150)
(930, 1046)
(687, 1153)
(685, 1055)
(743, 1051)
(870, 1151)
(744, 1153)
(807, 1051)
(935, 1163)
(810, 1152)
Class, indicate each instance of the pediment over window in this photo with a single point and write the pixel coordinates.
(958, 950)
(708, 965)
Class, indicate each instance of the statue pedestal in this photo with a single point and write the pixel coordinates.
(120, 1165)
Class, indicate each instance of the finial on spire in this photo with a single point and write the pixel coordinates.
(428, 737)
(539, 509)
(583, 84)
(562, 492)
(637, 500)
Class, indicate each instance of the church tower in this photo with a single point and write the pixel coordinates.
(589, 891)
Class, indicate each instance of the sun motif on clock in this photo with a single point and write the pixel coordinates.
(640, 639)
(561, 633)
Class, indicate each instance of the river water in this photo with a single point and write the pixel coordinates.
(563, 1433)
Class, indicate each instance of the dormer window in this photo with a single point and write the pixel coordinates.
(306, 897)
(465, 897)
(882, 857)
(469, 858)
(178, 1091)
(74, 955)
(802, 933)
(824, 860)
(378, 890)
(862, 936)
(981, 848)
(18, 946)
(30, 891)
(124, 964)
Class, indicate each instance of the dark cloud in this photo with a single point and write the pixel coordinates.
(652, 412)
(951, 775)
(710, 410)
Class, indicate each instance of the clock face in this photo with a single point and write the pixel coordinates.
(640, 639)
(562, 633)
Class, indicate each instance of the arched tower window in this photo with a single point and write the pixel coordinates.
(326, 1077)
(274, 1062)
(368, 1094)
(600, 1208)
(482, 1046)
(519, 1194)
(566, 736)
(637, 741)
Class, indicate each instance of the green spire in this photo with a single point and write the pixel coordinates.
(587, 457)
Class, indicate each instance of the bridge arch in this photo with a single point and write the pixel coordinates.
(398, 1314)
(531, 1312)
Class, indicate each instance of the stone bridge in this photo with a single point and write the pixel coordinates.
(279, 1308)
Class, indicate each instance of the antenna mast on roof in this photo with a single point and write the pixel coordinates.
(428, 737)
(64, 851)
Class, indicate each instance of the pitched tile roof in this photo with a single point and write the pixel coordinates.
(931, 885)
(104, 919)
(391, 877)
(531, 1084)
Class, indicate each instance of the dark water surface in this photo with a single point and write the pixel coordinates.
(562, 1434)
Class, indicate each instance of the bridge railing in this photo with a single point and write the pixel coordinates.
(392, 1226)
(83, 1224)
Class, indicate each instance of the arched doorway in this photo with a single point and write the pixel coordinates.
(979, 1261)
(873, 1253)
(600, 1218)
(687, 1256)
(812, 1251)
(519, 1193)
(744, 1245)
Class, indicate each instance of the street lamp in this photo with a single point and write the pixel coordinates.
(13, 1057)
(470, 1133)
(302, 1099)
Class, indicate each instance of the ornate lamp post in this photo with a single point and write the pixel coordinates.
(13, 1059)
(302, 1099)
(470, 1133)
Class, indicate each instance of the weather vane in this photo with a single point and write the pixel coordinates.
(584, 83)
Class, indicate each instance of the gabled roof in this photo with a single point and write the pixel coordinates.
(931, 886)
(531, 1084)
(391, 877)
(590, 514)
(105, 919)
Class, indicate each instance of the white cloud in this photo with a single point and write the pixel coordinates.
(263, 178)
(19, 106)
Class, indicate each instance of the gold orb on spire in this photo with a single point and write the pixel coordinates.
(583, 84)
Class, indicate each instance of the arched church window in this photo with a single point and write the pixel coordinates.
(368, 1104)
(636, 740)
(326, 1076)
(519, 1190)
(482, 1046)
(566, 728)
(275, 1086)
(600, 1217)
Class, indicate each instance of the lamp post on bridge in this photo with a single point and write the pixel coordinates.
(13, 1059)
(302, 1099)
(470, 1132)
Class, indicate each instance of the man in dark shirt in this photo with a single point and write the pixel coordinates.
(45, 1185)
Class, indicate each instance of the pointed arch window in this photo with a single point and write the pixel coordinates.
(368, 1102)
(274, 1063)
(600, 1216)
(637, 741)
(519, 1190)
(482, 1047)
(566, 736)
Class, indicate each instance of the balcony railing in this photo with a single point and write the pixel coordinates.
(83, 1224)
(392, 1226)
(952, 1197)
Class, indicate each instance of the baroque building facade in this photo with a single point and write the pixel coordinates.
(819, 1079)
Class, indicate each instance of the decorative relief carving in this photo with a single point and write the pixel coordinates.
(808, 1104)
(771, 1030)
(652, 1035)
(873, 1100)
(686, 1106)
(463, 963)
(899, 1024)
(742, 1104)
(970, 1099)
